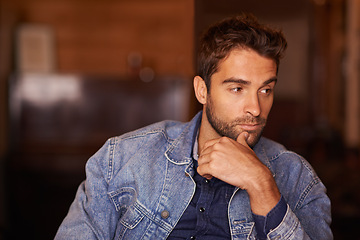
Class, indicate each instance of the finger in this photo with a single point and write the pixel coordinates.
(209, 144)
(203, 158)
(203, 171)
(207, 176)
(242, 138)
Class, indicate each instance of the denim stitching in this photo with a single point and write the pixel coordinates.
(111, 158)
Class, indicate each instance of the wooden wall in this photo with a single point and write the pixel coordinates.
(96, 37)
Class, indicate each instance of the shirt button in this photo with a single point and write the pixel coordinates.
(202, 209)
(165, 214)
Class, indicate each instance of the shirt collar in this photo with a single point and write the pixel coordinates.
(195, 153)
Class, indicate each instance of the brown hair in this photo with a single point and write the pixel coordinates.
(240, 31)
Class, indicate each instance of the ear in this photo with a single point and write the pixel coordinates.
(200, 89)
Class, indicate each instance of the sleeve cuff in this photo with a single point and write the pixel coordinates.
(265, 224)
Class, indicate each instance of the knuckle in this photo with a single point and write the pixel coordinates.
(224, 140)
(214, 155)
(199, 169)
(212, 165)
(206, 145)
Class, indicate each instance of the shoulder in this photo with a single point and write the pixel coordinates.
(295, 177)
(286, 164)
(271, 148)
(271, 153)
(148, 143)
(168, 129)
(275, 153)
(161, 135)
(155, 137)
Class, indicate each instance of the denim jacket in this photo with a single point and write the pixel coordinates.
(139, 184)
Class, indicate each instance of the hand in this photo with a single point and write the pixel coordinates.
(236, 163)
(231, 161)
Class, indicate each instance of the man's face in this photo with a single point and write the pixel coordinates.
(241, 95)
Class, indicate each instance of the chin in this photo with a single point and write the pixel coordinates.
(253, 139)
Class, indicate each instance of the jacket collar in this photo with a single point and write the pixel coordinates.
(260, 151)
(180, 150)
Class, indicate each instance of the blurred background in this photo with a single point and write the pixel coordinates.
(74, 73)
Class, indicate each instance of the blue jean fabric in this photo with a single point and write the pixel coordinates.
(139, 184)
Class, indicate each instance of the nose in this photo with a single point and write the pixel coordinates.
(252, 105)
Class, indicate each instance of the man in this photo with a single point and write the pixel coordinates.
(214, 177)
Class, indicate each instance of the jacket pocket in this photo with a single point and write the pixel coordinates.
(123, 197)
(131, 219)
(124, 200)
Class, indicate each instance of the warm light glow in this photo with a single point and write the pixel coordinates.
(42, 89)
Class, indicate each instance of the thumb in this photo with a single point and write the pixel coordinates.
(242, 138)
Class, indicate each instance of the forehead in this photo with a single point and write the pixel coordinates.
(246, 64)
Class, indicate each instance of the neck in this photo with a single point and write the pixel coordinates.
(206, 133)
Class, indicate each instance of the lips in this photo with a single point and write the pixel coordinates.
(250, 127)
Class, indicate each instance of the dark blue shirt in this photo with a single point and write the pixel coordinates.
(206, 217)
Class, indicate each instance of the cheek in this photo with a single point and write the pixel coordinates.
(219, 102)
(228, 109)
(266, 107)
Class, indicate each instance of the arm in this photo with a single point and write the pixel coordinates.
(308, 214)
(264, 224)
(91, 215)
(309, 208)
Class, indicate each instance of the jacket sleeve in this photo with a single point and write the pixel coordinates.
(309, 218)
(91, 215)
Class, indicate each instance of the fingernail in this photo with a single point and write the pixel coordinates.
(246, 135)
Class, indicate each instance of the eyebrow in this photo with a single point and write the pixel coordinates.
(245, 82)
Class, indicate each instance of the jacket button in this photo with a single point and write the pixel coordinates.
(165, 214)
(202, 209)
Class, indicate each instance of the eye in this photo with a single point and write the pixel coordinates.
(266, 91)
(236, 89)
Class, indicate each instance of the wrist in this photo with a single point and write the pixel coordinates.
(264, 195)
